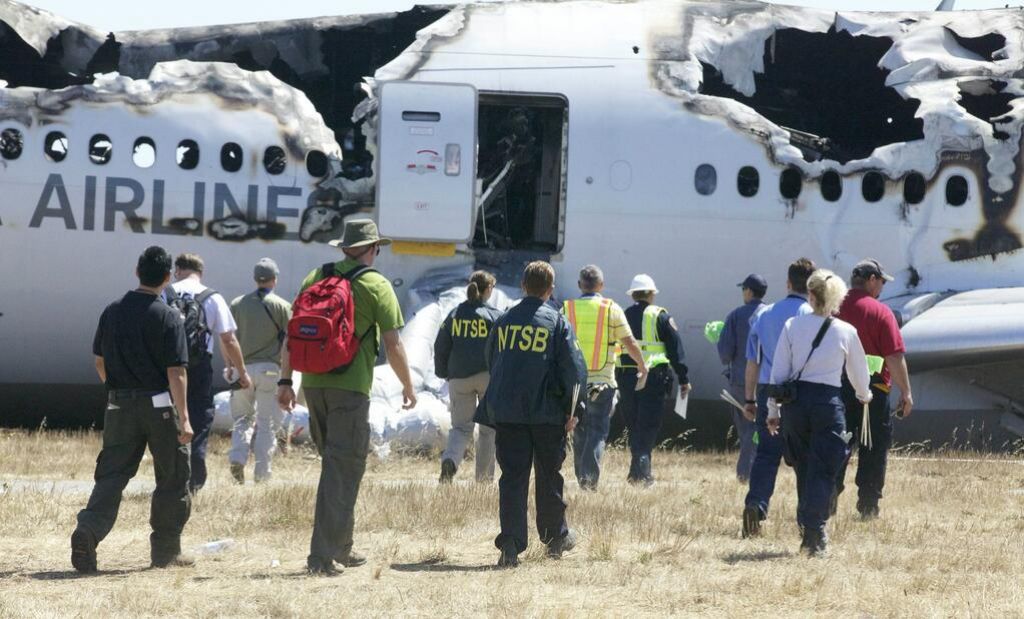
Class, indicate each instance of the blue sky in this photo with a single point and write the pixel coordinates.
(142, 14)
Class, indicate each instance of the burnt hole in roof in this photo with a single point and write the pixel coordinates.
(985, 46)
(828, 90)
(987, 100)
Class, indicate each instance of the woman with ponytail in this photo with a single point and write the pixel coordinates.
(811, 356)
(459, 357)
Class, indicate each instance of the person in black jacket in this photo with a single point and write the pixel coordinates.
(459, 357)
(662, 349)
(536, 369)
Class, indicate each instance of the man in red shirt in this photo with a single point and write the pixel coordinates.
(880, 335)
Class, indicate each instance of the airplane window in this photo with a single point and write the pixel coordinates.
(187, 155)
(231, 157)
(316, 164)
(831, 186)
(100, 149)
(748, 181)
(144, 152)
(274, 160)
(872, 187)
(55, 146)
(705, 179)
(11, 143)
(913, 188)
(790, 183)
(956, 190)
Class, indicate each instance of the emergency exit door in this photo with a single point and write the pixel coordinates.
(426, 185)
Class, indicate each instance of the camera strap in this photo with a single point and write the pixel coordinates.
(814, 345)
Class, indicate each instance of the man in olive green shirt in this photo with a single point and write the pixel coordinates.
(339, 404)
(262, 318)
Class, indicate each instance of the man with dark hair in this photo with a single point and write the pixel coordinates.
(764, 335)
(880, 335)
(339, 402)
(140, 356)
(732, 349)
(537, 374)
(599, 324)
(188, 274)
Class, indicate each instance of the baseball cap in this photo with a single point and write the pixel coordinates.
(868, 267)
(266, 269)
(755, 283)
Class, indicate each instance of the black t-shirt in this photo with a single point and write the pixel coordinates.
(139, 337)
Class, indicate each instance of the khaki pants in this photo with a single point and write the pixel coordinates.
(339, 423)
(255, 410)
(464, 394)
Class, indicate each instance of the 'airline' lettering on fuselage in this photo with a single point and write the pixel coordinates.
(464, 327)
(526, 338)
(127, 196)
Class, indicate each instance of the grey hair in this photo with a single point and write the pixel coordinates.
(829, 291)
(591, 277)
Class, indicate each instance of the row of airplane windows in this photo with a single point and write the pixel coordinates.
(101, 149)
(872, 188)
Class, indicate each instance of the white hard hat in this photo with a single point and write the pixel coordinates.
(642, 282)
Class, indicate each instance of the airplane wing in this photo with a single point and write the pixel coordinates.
(956, 330)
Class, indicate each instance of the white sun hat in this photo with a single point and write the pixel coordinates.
(642, 282)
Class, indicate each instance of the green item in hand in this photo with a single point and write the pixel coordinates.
(875, 364)
(713, 331)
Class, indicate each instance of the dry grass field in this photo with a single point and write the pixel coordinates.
(950, 543)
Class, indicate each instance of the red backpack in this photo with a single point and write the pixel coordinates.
(322, 334)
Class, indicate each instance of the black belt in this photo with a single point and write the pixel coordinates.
(133, 394)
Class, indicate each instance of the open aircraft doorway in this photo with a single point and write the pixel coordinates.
(521, 171)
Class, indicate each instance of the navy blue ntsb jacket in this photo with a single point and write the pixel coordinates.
(460, 343)
(535, 362)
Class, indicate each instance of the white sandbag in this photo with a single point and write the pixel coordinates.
(297, 420)
(422, 428)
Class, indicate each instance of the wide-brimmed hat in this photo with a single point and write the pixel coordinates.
(358, 233)
(642, 283)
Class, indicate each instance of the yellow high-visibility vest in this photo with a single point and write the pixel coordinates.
(651, 345)
(590, 318)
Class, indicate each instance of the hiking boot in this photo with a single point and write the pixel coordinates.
(238, 472)
(448, 469)
(751, 521)
(83, 551)
(316, 567)
(509, 555)
(178, 560)
(352, 559)
(867, 512)
(562, 545)
(815, 543)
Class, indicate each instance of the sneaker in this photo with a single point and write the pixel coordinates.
(562, 545)
(509, 556)
(178, 560)
(315, 567)
(751, 521)
(238, 473)
(83, 551)
(448, 469)
(352, 559)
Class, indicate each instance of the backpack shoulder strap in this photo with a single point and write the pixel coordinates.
(204, 295)
(357, 272)
(327, 270)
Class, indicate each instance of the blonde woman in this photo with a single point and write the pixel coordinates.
(807, 372)
(459, 357)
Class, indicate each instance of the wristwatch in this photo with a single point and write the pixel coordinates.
(285, 382)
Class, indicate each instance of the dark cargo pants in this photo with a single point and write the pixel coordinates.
(520, 447)
(871, 463)
(813, 431)
(200, 417)
(339, 423)
(767, 458)
(642, 411)
(129, 426)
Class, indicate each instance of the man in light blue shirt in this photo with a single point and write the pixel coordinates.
(764, 335)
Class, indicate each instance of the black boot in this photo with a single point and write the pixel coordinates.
(447, 471)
